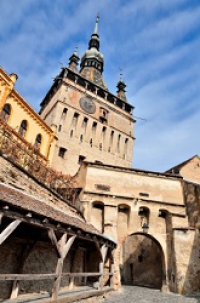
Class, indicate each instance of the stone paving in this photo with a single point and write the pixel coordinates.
(132, 294)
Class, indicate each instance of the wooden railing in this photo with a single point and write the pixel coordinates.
(33, 277)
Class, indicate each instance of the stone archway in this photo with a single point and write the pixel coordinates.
(143, 261)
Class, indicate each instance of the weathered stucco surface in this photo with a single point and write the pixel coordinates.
(146, 213)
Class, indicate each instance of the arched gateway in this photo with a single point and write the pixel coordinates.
(142, 261)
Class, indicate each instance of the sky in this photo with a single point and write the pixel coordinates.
(156, 43)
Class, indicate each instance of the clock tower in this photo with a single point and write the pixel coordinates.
(91, 123)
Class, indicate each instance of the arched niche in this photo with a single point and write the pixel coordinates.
(144, 214)
(123, 216)
(97, 215)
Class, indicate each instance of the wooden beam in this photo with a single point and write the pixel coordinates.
(8, 230)
(34, 277)
(82, 274)
(67, 246)
(27, 277)
(1, 216)
(54, 240)
(63, 248)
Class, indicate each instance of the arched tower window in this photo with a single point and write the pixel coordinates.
(5, 113)
(23, 128)
(111, 140)
(125, 148)
(84, 125)
(38, 141)
(118, 143)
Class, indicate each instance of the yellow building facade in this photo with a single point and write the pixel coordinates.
(24, 121)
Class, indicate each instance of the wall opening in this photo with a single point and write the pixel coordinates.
(142, 262)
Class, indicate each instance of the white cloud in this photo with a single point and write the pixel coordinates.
(154, 42)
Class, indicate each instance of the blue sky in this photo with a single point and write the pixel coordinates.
(155, 42)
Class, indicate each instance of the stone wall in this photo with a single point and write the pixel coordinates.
(192, 200)
(186, 279)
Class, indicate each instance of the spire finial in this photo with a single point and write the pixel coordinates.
(76, 50)
(121, 74)
(96, 25)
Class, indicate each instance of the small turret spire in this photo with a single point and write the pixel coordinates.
(121, 87)
(96, 25)
(74, 59)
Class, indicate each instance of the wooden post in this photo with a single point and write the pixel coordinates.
(1, 216)
(8, 230)
(63, 246)
(56, 284)
(104, 250)
(24, 255)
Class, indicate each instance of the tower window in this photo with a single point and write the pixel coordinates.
(23, 128)
(125, 148)
(118, 143)
(5, 114)
(94, 126)
(100, 146)
(71, 133)
(38, 140)
(75, 119)
(84, 124)
(91, 142)
(111, 140)
(81, 138)
(59, 128)
(64, 113)
(62, 152)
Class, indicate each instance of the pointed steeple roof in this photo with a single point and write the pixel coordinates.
(121, 85)
(74, 59)
(92, 61)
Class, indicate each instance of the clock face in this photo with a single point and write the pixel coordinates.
(88, 105)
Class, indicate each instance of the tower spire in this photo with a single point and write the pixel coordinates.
(92, 61)
(96, 25)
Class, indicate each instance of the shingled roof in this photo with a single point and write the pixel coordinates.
(23, 201)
